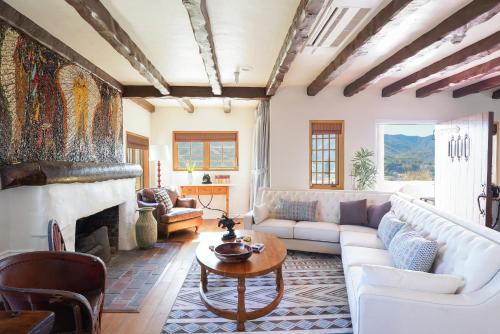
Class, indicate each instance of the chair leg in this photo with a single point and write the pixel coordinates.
(196, 229)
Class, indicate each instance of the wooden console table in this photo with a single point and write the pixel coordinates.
(207, 189)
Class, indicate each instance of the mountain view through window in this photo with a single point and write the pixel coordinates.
(408, 152)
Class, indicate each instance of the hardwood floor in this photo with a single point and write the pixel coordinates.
(156, 306)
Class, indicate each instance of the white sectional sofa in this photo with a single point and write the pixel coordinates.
(465, 249)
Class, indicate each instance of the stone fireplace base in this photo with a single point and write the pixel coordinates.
(25, 212)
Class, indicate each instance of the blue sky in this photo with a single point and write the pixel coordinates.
(421, 130)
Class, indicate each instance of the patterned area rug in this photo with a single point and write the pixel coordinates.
(132, 274)
(315, 300)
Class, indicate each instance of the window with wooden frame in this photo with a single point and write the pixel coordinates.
(138, 153)
(326, 154)
(210, 151)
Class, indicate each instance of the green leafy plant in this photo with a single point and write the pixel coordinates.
(363, 171)
(190, 167)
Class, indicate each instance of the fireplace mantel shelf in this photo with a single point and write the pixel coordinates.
(50, 172)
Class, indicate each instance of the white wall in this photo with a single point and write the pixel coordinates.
(168, 119)
(137, 120)
(291, 110)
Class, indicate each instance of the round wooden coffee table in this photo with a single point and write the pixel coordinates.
(258, 264)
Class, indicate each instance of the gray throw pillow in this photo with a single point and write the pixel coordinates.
(411, 251)
(376, 212)
(296, 210)
(161, 196)
(353, 213)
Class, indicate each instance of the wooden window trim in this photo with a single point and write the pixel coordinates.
(206, 151)
(339, 159)
(140, 142)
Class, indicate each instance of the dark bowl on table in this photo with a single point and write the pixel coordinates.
(232, 252)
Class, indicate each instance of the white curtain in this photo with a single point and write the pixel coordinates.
(260, 160)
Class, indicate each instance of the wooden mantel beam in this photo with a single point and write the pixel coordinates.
(453, 30)
(477, 87)
(465, 77)
(251, 93)
(14, 18)
(386, 21)
(94, 12)
(200, 23)
(496, 94)
(295, 39)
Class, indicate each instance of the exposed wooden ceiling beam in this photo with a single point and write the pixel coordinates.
(454, 61)
(295, 39)
(227, 105)
(388, 19)
(477, 87)
(200, 23)
(30, 28)
(94, 12)
(496, 94)
(470, 75)
(453, 30)
(143, 103)
(251, 93)
(186, 104)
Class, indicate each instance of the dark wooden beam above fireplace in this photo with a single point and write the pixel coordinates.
(496, 94)
(30, 28)
(477, 87)
(453, 29)
(94, 12)
(387, 19)
(295, 39)
(465, 77)
(251, 93)
(202, 30)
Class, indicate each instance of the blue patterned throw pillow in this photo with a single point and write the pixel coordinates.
(410, 251)
(388, 227)
(296, 210)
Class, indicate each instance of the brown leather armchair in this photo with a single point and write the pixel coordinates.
(69, 284)
(183, 215)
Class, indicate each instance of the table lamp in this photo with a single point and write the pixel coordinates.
(158, 153)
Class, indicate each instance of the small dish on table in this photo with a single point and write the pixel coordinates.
(233, 252)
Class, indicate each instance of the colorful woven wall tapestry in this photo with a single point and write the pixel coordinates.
(52, 109)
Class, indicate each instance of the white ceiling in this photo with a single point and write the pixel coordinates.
(246, 33)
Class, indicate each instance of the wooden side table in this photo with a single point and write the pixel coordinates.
(207, 189)
(259, 264)
(26, 322)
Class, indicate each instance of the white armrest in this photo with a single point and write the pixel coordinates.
(395, 311)
(248, 220)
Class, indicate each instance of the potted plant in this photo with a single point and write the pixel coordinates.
(363, 170)
(190, 168)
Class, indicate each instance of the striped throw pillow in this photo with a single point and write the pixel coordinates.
(296, 210)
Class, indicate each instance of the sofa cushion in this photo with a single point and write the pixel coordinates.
(296, 210)
(389, 226)
(161, 196)
(410, 280)
(148, 195)
(360, 239)
(281, 228)
(375, 213)
(353, 213)
(356, 228)
(260, 213)
(317, 231)
(180, 214)
(356, 256)
(410, 251)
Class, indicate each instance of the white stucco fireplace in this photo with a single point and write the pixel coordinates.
(25, 212)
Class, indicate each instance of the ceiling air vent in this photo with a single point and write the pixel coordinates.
(334, 24)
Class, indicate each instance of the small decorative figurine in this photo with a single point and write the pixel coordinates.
(228, 223)
(206, 179)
